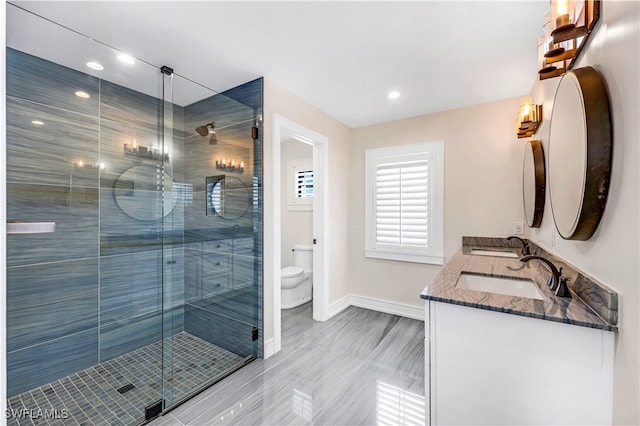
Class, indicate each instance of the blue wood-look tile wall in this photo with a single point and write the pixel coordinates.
(222, 282)
(94, 289)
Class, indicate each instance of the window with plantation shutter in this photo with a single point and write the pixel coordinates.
(304, 183)
(300, 184)
(404, 203)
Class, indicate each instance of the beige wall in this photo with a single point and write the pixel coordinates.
(297, 225)
(482, 187)
(612, 255)
(483, 167)
(277, 100)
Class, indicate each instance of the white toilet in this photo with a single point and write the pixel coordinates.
(296, 281)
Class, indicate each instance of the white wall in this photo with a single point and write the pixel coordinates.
(278, 100)
(612, 255)
(482, 189)
(297, 225)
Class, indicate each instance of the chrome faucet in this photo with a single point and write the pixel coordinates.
(556, 282)
(525, 245)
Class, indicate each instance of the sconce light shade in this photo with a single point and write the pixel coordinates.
(563, 15)
(529, 118)
(566, 29)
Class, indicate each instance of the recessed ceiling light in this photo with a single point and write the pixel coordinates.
(95, 66)
(37, 122)
(126, 59)
(82, 94)
(394, 94)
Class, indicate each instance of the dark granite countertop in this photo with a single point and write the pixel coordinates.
(572, 310)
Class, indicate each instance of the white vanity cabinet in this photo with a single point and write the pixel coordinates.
(486, 367)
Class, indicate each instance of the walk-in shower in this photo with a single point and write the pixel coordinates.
(148, 288)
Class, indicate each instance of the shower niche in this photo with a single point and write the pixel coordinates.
(125, 301)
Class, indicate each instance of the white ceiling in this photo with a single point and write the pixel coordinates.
(342, 57)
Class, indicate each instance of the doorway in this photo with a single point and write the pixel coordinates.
(283, 130)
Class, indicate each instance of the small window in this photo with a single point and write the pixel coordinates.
(304, 183)
(404, 203)
(300, 185)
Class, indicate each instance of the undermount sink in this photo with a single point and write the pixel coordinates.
(499, 285)
(497, 253)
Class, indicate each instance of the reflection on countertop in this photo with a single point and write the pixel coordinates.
(593, 304)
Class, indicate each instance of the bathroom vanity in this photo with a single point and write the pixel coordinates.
(501, 348)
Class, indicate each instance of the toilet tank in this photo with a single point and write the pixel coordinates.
(303, 256)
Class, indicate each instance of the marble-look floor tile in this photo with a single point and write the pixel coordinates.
(355, 332)
(402, 348)
(360, 367)
(269, 397)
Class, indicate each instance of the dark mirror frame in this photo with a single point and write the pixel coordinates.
(540, 181)
(599, 149)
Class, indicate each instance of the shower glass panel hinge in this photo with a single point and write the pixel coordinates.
(153, 410)
(254, 333)
(166, 70)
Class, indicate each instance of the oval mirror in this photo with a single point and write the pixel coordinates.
(144, 192)
(580, 144)
(227, 197)
(533, 183)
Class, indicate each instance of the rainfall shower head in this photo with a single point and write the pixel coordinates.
(204, 131)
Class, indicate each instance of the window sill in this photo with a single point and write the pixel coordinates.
(405, 257)
(300, 207)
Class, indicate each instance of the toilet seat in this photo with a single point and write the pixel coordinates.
(291, 272)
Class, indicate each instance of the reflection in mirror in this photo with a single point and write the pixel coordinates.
(580, 144)
(533, 183)
(144, 192)
(227, 196)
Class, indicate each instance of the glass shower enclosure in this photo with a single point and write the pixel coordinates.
(146, 285)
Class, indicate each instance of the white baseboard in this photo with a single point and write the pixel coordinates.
(394, 308)
(269, 348)
(340, 305)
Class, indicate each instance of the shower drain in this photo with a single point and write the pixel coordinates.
(126, 388)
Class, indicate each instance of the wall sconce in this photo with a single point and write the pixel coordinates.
(149, 152)
(554, 57)
(566, 29)
(234, 166)
(529, 118)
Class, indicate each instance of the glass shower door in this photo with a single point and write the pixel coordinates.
(150, 287)
(215, 248)
(84, 150)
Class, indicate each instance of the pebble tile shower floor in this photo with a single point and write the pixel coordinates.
(100, 395)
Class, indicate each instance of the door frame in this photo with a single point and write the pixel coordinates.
(285, 127)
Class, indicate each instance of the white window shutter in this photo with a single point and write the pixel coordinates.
(304, 183)
(404, 203)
